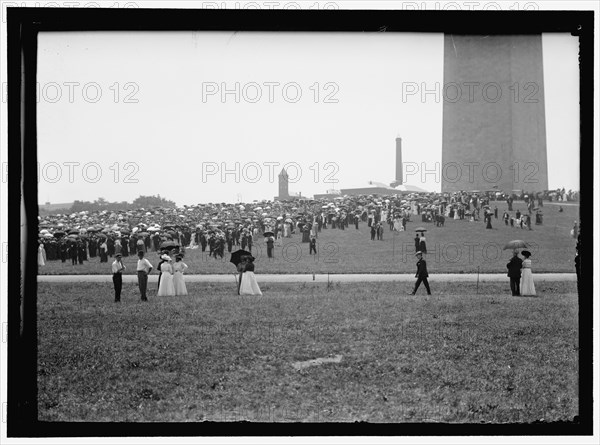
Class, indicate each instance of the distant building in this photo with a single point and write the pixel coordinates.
(329, 194)
(284, 192)
(373, 188)
(379, 188)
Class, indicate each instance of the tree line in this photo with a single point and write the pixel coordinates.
(102, 204)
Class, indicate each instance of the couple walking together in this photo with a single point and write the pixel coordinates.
(519, 272)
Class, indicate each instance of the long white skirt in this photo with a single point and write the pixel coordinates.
(166, 288)
(179, 283)
(527, 286)
(249, 286)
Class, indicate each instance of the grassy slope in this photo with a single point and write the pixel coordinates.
(453, 357)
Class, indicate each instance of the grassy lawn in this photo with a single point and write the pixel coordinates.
(453, 357)
(459, 247)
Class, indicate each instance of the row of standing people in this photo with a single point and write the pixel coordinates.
(170, 281)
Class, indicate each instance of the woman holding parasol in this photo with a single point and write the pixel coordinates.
(238, 258)
(248, 284)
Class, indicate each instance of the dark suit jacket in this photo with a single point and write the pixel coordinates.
(422, 269)
(514, 267)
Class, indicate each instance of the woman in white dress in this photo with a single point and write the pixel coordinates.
(166, 288)
(41, 255)
(178, 282)
(423, 243)
(248, 285)
(527, 286)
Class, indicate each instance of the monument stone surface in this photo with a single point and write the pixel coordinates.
(494, 129)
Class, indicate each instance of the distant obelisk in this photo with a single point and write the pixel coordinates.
(494, 128)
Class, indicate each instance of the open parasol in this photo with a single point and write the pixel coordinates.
(169, 245)
(516, 244)
(236, 257)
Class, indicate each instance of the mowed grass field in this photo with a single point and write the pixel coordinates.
(459, 247)
(213, 355)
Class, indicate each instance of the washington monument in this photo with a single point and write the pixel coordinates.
(494, 129)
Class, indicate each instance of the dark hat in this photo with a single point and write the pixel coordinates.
(118, 255)
(526, 253)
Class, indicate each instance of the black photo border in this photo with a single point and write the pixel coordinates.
(23, 25)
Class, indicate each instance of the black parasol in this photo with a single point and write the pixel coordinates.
(169, 245)
(236, 257)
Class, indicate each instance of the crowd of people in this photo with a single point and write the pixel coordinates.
(220, 227)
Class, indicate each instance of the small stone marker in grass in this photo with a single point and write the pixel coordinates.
(317, 361)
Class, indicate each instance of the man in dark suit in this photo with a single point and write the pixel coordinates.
(229, 237)
(162, 260)
(117, 269)
(80, 252)
(380, 231)
(421, 274)
(514, 273)
(64, 250)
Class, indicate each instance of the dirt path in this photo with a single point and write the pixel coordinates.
(317, 278)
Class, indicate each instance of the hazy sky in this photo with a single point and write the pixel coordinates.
(148, 107)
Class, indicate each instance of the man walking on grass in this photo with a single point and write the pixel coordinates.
(421, 274)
